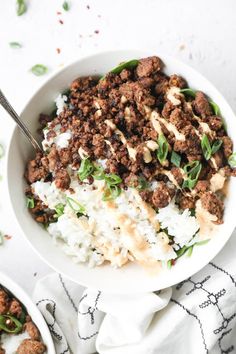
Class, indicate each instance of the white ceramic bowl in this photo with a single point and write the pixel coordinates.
(32, 310)
(131, 278)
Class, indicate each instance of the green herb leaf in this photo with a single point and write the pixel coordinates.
(1, 151)
(131, 64)
(232, 160)
(169, 263)
(190, 251)
(192, 169)
(21, 7)
(175, 158)
(181, 251)
(76, 206)
(98, 173)
(86, 169)
(10, 329)
(65, 6)
(59, 209)
(215, 147)
(39, 69)
(112, 179)
(200, 243)
(206, 147)
(30, 203)
(111, 193)
(15, 45)
(215, 108)
(188, 92)
(162, 149)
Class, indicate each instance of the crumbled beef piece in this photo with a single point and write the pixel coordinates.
(44, 119)
(134, 91)
(176, 80)
(32, 330)
(213, 205)
(186, 202)
(215, 122)
(62, 179)
(146, 196)
(216, 160)
(162, 196)
(35, 171)
(53, 158)
(178, 118)
(82, 83)
(191, 144)
(132, 180)
(64, 156)
(146, 82)
(125, 74)
(167, 109)
(201, 105)
(15, 308)
(4, 302)
(202, 187)
(148, 66)
(29, 346)
(227, 146)
(177, 175)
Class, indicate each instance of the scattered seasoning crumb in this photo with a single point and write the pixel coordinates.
(66, 6)
(182, 47)
(61, 22)
(39, 69)
(15, 45)
(7, 237)
(35, 274)
(58, 13)
(99, 16)
(190, 56)
(88, 7)
(96, 31)
(58, 50)
(80, 36)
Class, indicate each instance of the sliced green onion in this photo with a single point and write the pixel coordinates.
(13, 320)
(65, 6)
(15, 45)
(181, 251)
(215, 108)
(162, 149)
(30, 203)
(192, 169)
(76, 206)
(1, 151)
(111, 193)
(200, 243)
(112, 179)
(169, 263)
(232, 160)
(131, 64)
(98, 173)
(215, 147)
(175, 158)
(39, 69)
(188, 92)
(190, 251)
(86, 169)
(21, 7)
(206, 147)
(59, 209)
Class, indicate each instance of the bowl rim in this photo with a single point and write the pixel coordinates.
(32, 309)
(141, 52)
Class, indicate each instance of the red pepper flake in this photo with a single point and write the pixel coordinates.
(7, 237)
(99, 16)
(96, 31)
(88, 7)
(58, 50)
(58, 13)
(61, 22)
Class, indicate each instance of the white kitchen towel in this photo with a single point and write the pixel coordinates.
(197, 316)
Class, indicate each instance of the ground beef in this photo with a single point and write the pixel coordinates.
(214, 205)
(177, 175)
(215, 122)
(62, 179)
(4, 302)
(32, 330)
(35, 170)
(227, 146)
(178, 81)
(186, 202)
(29, 346)
(202, 187)
(15, 308)
(201, 105)
(148, 66)
(162, 196)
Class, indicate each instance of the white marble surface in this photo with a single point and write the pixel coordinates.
(201, 33)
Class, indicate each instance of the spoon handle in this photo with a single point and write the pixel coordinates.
(10, 110)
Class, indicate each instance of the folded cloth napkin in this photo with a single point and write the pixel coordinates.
(196, 316)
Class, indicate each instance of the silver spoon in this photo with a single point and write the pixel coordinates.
(10, 110)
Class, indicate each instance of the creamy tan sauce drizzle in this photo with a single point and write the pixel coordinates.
(205, 220)
(156, 119)
(217, 181)
(171, 95)
(131, 151)
(82, 153)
